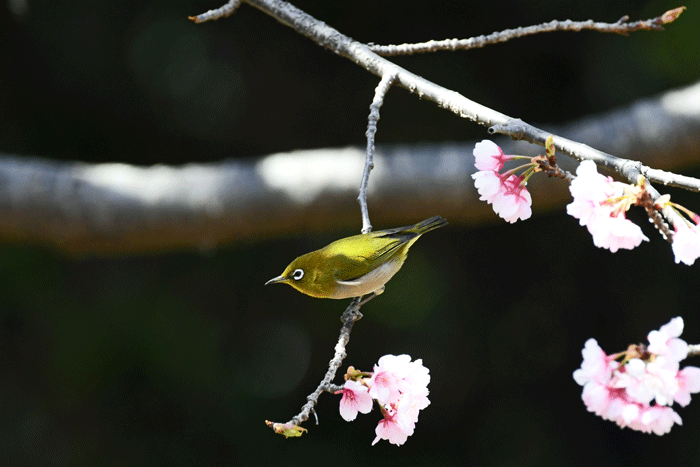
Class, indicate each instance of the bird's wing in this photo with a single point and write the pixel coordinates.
(372, 253)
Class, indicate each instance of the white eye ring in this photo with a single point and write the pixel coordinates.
(298, 274)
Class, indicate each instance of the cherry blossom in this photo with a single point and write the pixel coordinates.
(400, 387)
(355, 399)
(666, 340)
(506, 192)
(636, 388)
(614, 232)
(600, 204)
(686, 239)
(686, 244)
(489, 157)
(391, 429)
(688, 383)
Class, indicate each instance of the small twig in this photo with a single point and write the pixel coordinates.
(291, 428)
(221, 12)
(694, 350)
(620, 27)
(548, 165)
(379, 93)
(647, 202)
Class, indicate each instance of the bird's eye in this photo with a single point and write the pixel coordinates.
(298, 274)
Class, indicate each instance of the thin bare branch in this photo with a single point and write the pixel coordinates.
(351, 314)
(694, 350)
(620, 27)
(379, 93)
(222, 12)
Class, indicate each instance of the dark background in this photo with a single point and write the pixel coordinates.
(178, 358)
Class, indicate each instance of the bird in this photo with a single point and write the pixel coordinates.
(354, 266)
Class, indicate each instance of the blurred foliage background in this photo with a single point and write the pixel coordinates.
(177, 359)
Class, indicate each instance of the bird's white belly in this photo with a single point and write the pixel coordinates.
(373, 280)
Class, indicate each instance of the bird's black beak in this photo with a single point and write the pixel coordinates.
(277, 279)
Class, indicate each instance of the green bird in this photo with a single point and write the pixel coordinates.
(355, 266)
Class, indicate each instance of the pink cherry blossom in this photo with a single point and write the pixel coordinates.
(399, 421)
(688, 382)
(658, 420)
(615, 404)
(614, 232)
(686, 244)
(395, 376)
(392, 429)
(590, 190)
(639, 392)
(488, 156)
(506, 193)
(592, 186)
(515, 201)
(645, 382)
(400, 386)
(597, 398)
(488, 184)
(355, 399)
(665, 341)
(599, 204)
(386, 383)
(596, 365)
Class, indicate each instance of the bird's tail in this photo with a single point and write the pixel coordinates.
(412, 232)
(427, 225)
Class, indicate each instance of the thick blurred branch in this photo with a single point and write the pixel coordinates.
(111, 209)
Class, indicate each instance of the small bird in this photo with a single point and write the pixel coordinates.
(354, 266)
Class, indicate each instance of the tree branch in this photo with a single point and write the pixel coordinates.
(222, 12)
(351, 314)
(379, 93)
(361, 54)
(620, 27)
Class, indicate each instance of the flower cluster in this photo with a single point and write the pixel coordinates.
(600, 204)
(399, 386)
(636, 388)
(506, 192)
